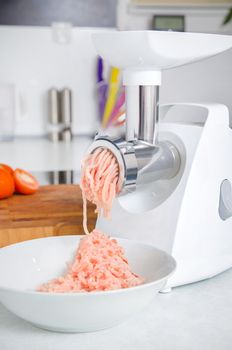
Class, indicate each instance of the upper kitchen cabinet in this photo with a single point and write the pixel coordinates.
(205, 16)
(81, 13)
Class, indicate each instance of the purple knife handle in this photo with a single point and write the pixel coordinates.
(102, 94)
(99, 69)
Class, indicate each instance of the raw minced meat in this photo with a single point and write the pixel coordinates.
(100, 264)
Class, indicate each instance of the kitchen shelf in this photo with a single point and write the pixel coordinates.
(202, 10)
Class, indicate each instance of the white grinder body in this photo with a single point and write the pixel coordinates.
(187, 224)
(182, 197)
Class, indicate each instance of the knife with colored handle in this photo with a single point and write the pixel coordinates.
(112, 95)
(102, 88)
(99, 69)
(120, 102)
(119, 118)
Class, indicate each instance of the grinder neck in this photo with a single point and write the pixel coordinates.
(142, 105)
(148, 114)
(141, 158)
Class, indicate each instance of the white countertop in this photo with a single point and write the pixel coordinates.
(40, 154)
(192, 317)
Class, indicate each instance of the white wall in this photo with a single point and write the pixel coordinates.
(30, 59)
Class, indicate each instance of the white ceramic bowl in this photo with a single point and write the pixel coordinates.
(24, 266)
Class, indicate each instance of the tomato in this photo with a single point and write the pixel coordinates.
(25, 183)
(7, 185)
(7, 167)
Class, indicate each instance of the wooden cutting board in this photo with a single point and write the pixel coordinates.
(52, 211)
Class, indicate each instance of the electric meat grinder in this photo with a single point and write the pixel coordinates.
(175, 178)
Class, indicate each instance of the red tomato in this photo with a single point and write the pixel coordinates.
(7, 167)
(7, 185)
(25, 183)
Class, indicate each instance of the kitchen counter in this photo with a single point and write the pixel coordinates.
(39, 154)
(51, 211)
(192, 317)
